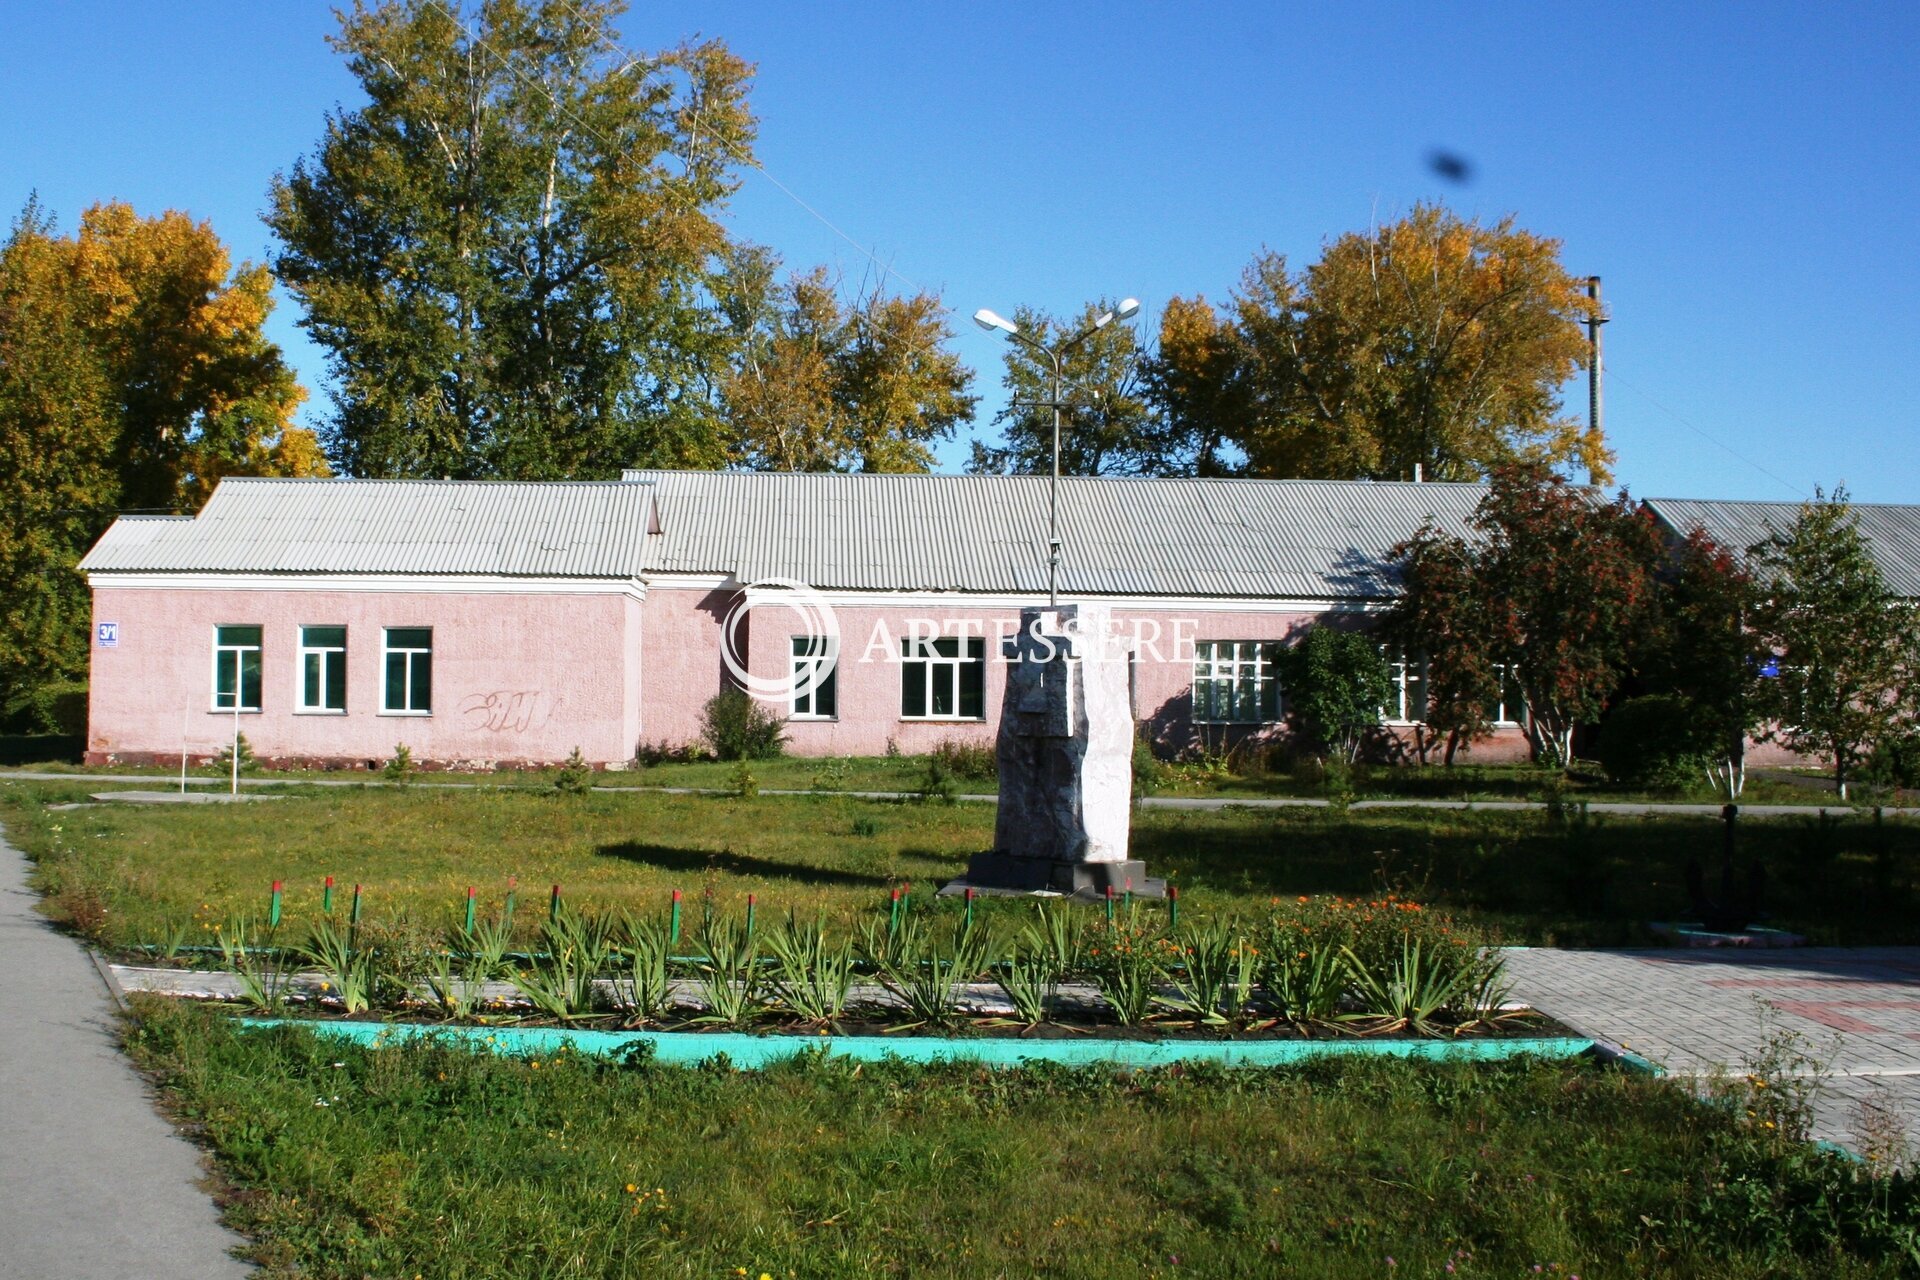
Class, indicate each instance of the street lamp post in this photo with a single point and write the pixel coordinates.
(1056, 359)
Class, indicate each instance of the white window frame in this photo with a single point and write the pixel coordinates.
(920, 658)
(387, 649)
(258, 650)
(1232, 662)
(1508, 683)
(309, 652)
(812, 673)
(1404, 671)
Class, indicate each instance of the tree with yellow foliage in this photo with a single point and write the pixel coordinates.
(1432, 342)
(133, 375)
(821, 385)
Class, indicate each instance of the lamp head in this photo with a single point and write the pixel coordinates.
(1129, 308)
(990, 321)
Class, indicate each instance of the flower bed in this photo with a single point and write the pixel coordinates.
(1309, 968)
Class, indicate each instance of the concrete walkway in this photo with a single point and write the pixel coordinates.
(1628, 808)
(1695, 1013)
(94, 1184)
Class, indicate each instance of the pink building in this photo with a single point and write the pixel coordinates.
(485, 623)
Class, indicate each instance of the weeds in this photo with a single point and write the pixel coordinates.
(729, 973)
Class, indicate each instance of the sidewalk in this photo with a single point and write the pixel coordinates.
(1629, 808)
(94, 1184)
(1697, 1012)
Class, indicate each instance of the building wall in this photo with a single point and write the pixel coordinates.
(1162, 640)
(516, 677)
(524, 678)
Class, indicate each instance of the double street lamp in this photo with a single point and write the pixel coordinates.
(1056, 356)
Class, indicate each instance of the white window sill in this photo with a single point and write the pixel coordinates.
(405, 715)
(797, 719)
(320, 711)
(227, 711)
(943, 719)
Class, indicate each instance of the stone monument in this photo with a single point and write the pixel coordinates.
(1066, 761)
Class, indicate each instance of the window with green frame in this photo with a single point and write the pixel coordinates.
(323, 668)
(407, 658)
(1236, 682)
(815, 671)
(236, 668)
(943, 678)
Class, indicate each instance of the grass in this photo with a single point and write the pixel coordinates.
(433, 1161)
(135, 874)
(907, 774)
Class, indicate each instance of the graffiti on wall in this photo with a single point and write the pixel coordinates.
(510, 710)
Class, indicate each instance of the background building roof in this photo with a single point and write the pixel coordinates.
(1892, 533)
(1310, 539)
(1306, 539)
(588, 530)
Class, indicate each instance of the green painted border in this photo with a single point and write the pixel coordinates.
(749, 1051)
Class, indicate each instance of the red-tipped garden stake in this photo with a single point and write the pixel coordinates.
(1173, 905)
(326, 896)
(749, 915)
(273, 907)
(470, 893)
(673, 919)
(1109, 904)
(553, 905)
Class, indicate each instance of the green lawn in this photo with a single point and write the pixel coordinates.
(909, 774)
(129, 874)
(434, 1162)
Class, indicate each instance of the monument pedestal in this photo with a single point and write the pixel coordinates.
(1065, 754)
(998, 873)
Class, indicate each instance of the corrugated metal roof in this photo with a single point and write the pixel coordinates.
(1313, 539)
(1167, 537)
(1892, 533)
(588, 530)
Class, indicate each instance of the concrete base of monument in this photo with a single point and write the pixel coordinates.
(1002, 874)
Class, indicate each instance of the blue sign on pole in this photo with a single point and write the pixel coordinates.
(109, 635)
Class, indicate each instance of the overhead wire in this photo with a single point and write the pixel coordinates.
(1729, 450)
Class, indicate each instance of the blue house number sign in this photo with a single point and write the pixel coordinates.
(109, 635)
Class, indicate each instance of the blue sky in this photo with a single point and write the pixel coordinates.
(1746, 179)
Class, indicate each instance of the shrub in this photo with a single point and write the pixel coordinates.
(1894, 760)
(937, 784)
(223, 763)
(737, 727)
(1652, 741)
(972, 760)
(400, 768)
(1336, 683)
(575, 777)
(1150, 772)
(58, 706)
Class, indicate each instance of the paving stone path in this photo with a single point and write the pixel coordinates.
(94, 1185)
(1693, 1013)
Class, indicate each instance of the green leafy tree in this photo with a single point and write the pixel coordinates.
(1335, 684)
(510, 252)
(1703, 652)
(1432, 342)
(1843, 645)
(1555, 586)
(133, 375)
(1443, 614)
(1107, 426)
(817, 385)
